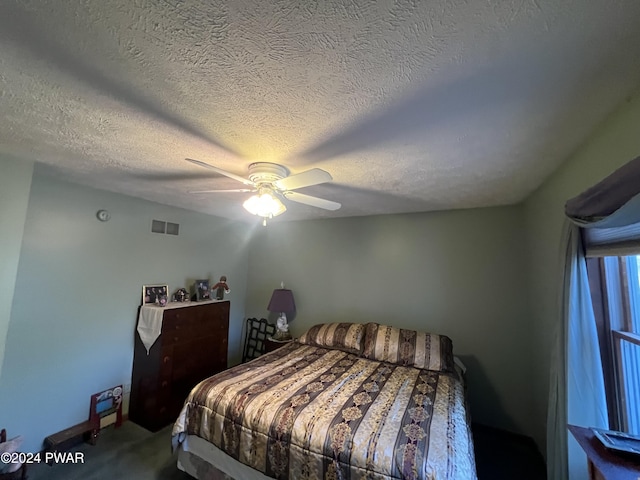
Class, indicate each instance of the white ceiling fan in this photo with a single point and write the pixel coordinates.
(271, 182)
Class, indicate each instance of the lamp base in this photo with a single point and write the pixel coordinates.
(282, 328)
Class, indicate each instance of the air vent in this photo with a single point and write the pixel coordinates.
(159, 226)
(173, 228)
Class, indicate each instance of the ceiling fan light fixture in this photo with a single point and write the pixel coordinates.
(264, 205)
(272, 182)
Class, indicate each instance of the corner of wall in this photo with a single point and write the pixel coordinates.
(15, 186)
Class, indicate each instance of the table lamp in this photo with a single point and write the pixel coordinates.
(282, 303)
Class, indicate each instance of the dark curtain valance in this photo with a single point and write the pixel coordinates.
(613, 202)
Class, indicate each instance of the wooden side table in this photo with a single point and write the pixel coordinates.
(271, 344)
(604, 464)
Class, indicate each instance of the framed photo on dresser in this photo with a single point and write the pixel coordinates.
(202, 290)
(151, 294)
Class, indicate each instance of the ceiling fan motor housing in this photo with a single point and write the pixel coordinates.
(265, 172)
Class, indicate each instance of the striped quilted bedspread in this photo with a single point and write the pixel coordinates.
(306, 412)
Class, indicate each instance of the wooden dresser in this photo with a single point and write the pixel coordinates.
(191, 347)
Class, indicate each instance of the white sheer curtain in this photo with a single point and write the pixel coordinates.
(577, 394)
(610, 213)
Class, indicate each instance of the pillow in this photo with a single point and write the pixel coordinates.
(408, 347)
(343, 336)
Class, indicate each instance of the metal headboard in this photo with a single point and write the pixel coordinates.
(257, 331)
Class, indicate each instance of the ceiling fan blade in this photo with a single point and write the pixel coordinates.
(235, 190)
(312, 201)
(246, 181)
(304, 179)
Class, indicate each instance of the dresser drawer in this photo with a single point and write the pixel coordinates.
(180, 327)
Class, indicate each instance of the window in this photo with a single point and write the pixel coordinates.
(615, 292)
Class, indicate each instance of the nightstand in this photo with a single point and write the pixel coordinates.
(271, 344)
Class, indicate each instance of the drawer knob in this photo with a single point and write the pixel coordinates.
(164, 384)
(166, 359)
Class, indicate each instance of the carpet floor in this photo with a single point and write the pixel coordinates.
(131, 452)
(128, 452)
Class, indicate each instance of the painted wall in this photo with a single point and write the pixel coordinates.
(614, 143)
(15, 184)
(459, 273)
(77, 293)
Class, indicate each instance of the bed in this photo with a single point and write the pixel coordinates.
(344, 401)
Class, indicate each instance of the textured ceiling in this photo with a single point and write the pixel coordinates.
(411, 106)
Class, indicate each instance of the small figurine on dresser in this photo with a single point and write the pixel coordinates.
(181, 295)
(221, 288)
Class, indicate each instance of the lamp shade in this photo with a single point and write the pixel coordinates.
(282, 301)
